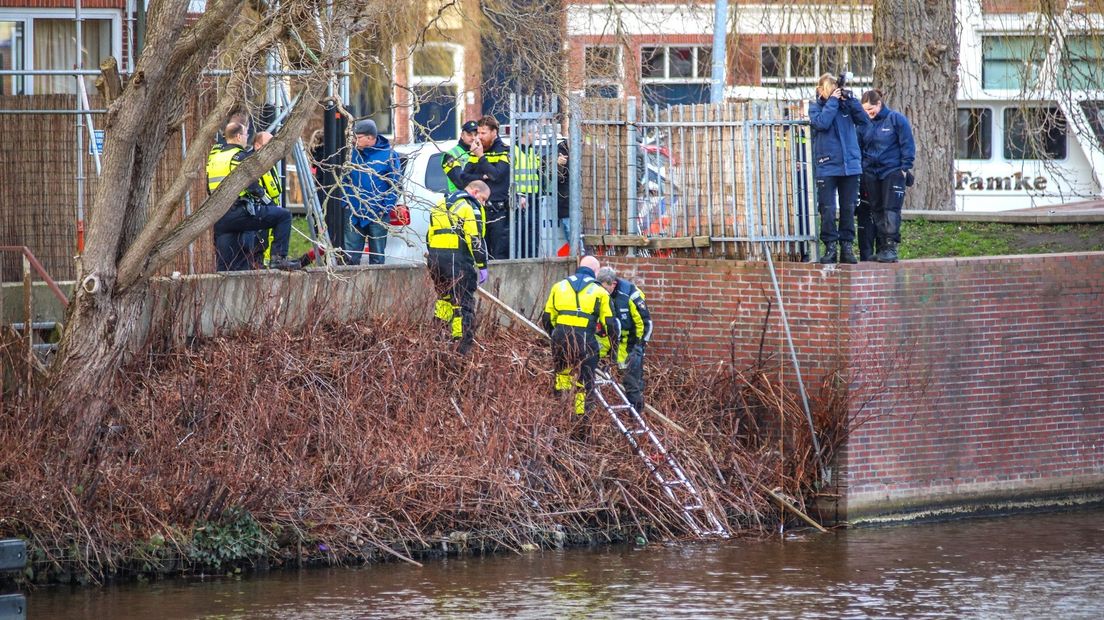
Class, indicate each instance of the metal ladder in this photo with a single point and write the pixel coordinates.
(676, 485)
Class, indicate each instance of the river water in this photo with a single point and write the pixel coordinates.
(1028, 566)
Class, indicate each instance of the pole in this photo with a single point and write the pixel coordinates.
(797, 366)
(575, 170)
(333, 129)
(79, 26)
(720, 27)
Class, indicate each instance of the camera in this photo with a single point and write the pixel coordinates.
(841, 83)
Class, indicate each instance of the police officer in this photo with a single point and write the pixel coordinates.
(576, 306)
(248, 213)
(455, 159)
(456, 251)
(526, 169)
(489, 161)
(636, 329)
(271, 189)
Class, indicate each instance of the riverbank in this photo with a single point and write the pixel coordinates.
(368, 442)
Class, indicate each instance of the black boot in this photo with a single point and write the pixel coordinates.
(888, 254)
(847, 255)
(830, 255)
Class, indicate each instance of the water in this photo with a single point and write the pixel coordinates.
(1030, 566)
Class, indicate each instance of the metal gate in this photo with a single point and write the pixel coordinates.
(705, 180)
(535, 172)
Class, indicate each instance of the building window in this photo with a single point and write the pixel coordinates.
(46, 40)
(1083, 66)
(1011, 62)
(1034, 133)
(975, 133)
(11, 57)
(436, 80)
(804, 64)
(675, 74)
(602, 71)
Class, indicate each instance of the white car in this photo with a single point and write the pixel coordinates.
(424, 185)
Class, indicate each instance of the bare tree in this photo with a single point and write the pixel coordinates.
(132, 233)
(916, 47)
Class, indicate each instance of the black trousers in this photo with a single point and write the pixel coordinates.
(240, 251)
(887, 196)
(632, 378)
(866, 231)
(498, 230)
(238, 219)
(527, 228)
(572, 348)
(455, 280)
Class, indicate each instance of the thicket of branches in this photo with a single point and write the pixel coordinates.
(354, 442)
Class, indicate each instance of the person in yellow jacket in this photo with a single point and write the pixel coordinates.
(576, 306)
(248, 213)
(270, 186)
(635, 321)
(457, 259)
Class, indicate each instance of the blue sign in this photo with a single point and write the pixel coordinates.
(98, 145)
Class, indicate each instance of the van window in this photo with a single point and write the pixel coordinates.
(1094, 110)
(1034, 133)
(435, 179)
(975, 133)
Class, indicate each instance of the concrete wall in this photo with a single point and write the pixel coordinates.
(227, 303)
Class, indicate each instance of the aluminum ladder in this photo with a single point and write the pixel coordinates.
(676, 485)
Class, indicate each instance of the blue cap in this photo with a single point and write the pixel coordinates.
(470, 127)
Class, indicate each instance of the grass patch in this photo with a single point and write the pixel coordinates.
(926, 239)
(300, 237)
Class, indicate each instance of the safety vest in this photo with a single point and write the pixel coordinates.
(270, 182)
(627, 303)
(526, 169)
(455, 218)
(455, 158)
(221, 161)
(578, 301)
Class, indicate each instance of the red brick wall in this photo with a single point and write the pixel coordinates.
(703, 310)
(971, 380)
(993, 369)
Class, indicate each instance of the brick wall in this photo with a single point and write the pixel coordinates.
(973, 382)
(710, 310)
(993, 383)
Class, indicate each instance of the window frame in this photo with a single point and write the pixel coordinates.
(1068, 77)
(695, 63)
(592, 84)
(784, 62)
(434, 81)
(1005, 143)
(28, 15)
(1036, 65)
(990, 115)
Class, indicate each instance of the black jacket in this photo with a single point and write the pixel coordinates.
(493, 168)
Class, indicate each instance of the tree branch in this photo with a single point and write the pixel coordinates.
(133, 268)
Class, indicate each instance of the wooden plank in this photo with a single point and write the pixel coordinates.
(664, 243)
(636, 241)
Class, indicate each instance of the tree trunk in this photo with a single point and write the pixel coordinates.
(916, 56)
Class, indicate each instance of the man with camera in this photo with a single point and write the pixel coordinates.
(837, 160)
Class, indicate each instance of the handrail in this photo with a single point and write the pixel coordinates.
(29, 255)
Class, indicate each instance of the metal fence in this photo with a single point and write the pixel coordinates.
(49, 169)
(535, 169)
(706, 180)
